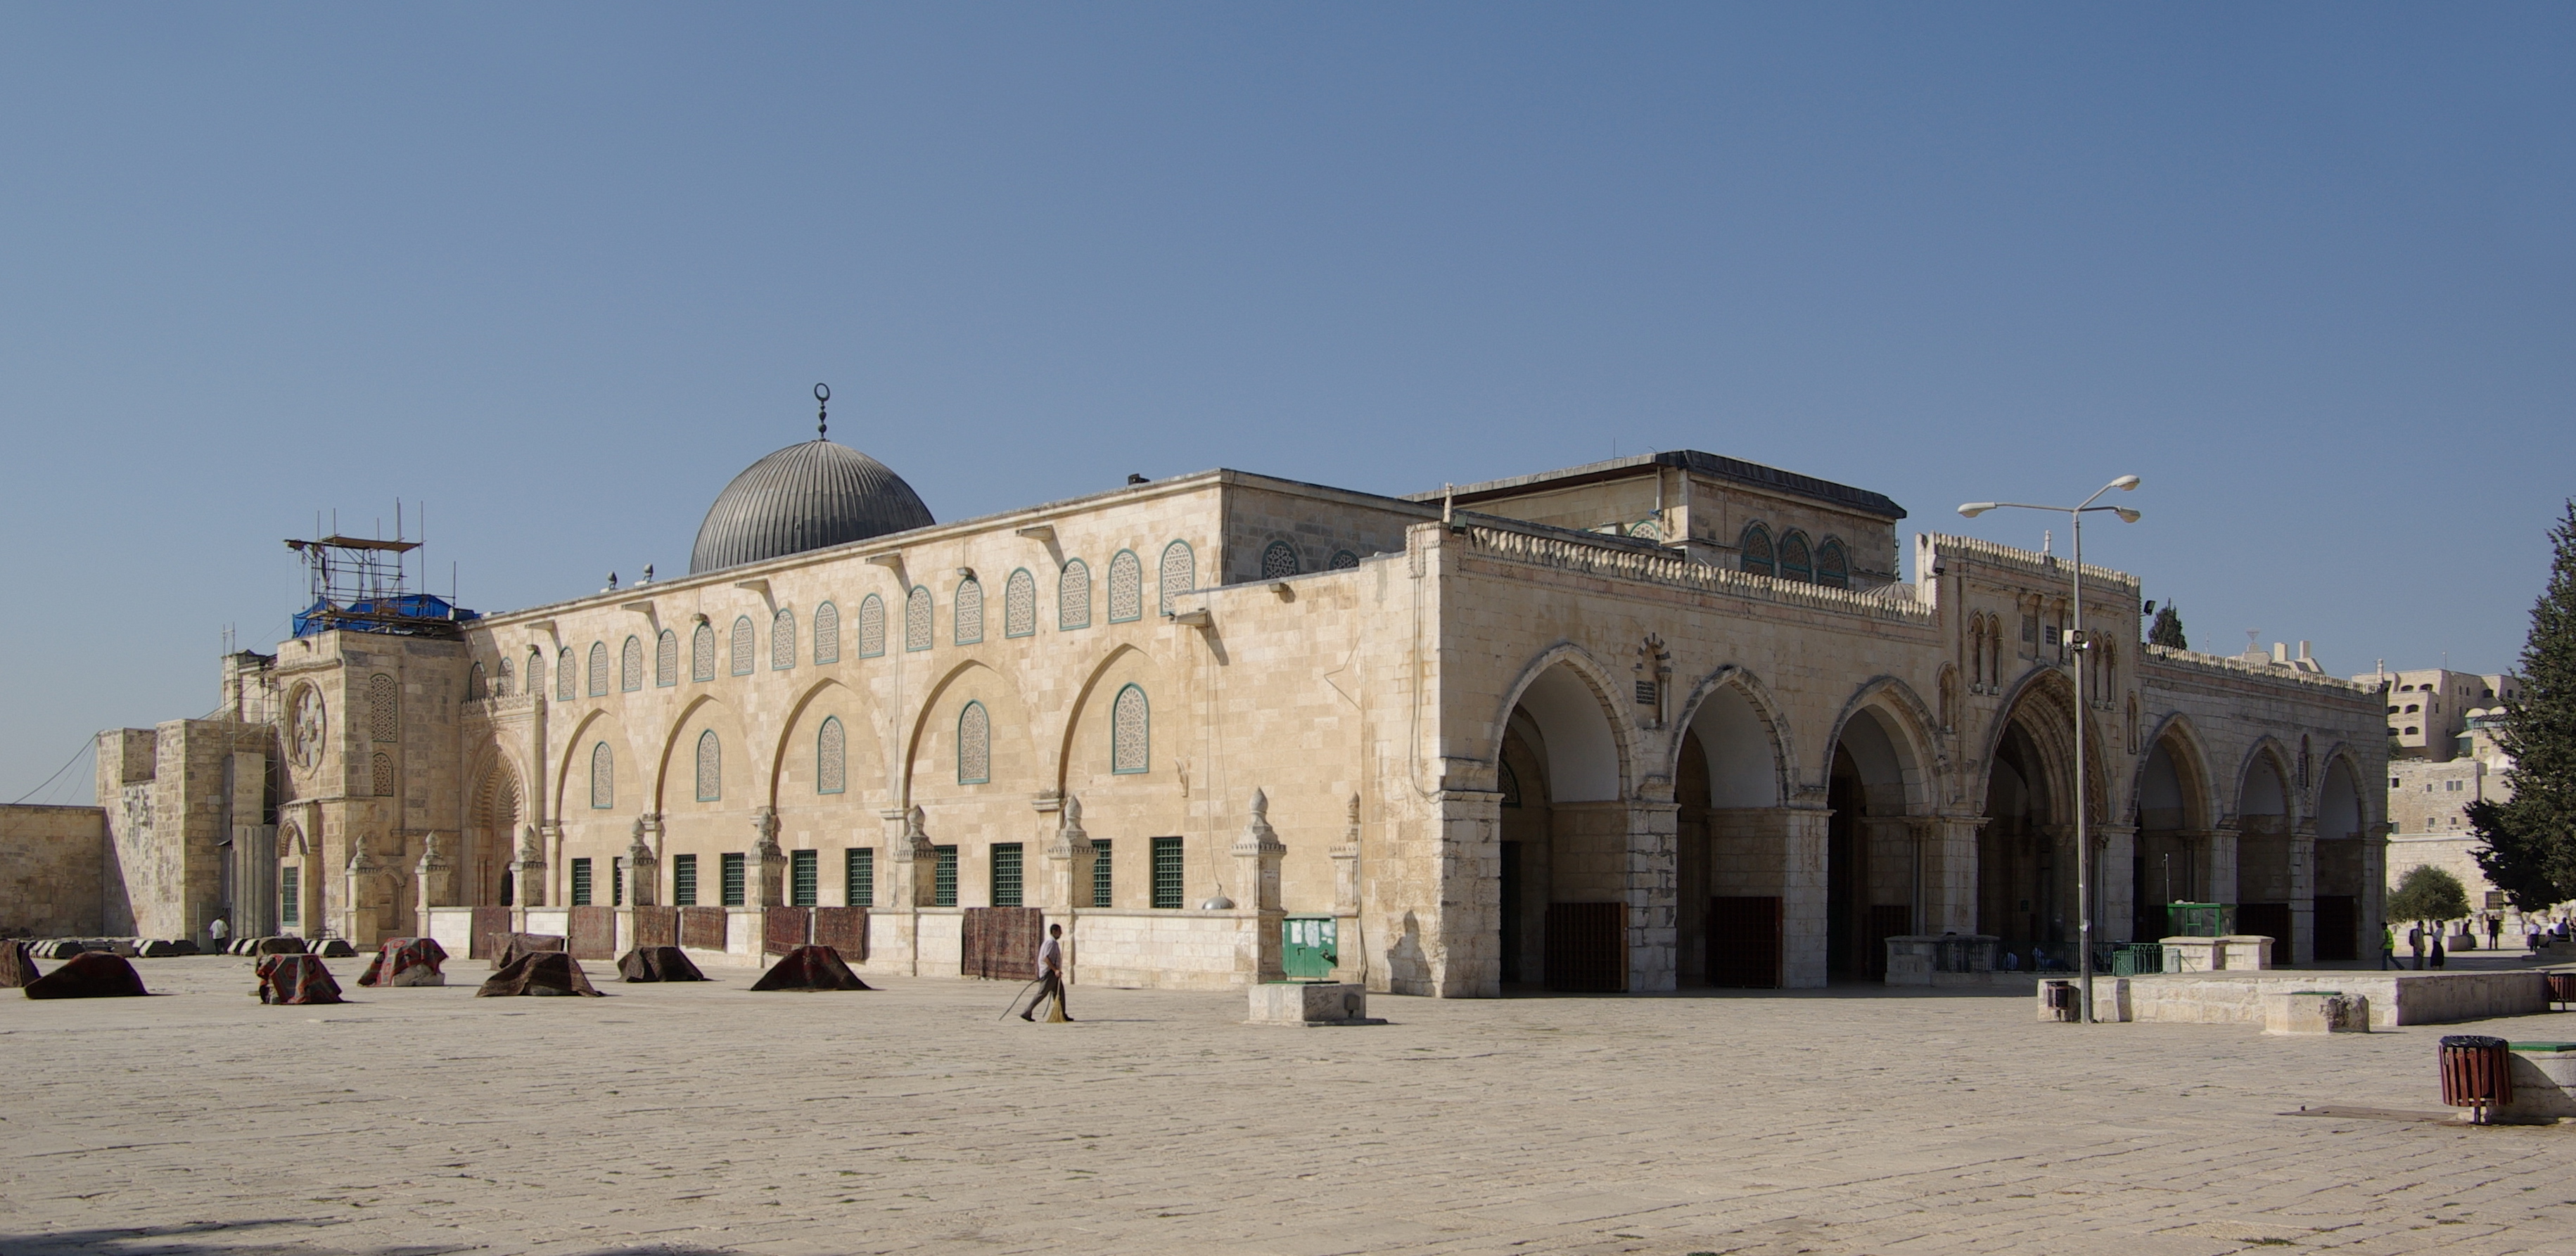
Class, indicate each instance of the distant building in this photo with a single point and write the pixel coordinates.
(2442, 757)
(2428, 710)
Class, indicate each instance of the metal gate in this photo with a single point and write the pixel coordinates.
(1587, 947)
(1744, 943)
(2338, 927)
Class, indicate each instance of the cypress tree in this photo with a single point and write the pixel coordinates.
(2529, 840)
(2167, 630)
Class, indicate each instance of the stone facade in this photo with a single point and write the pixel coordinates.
(51, 884)
(1502, 734)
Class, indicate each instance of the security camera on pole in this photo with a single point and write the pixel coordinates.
(2077, 644)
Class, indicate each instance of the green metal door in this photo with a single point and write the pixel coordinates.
(1308, 951)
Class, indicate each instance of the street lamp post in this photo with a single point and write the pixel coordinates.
(2078, 643)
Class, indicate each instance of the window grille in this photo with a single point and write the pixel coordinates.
(702, 653)
(630, 666)
(827, 633)
(1102, 883)
(1073, 595)
(943, 877)
(1180, 573)
(1278, 561)
(1753, 551)
(566, 678)
(1510, 783)
(603, 777)
(1130, 732)
(974, 745)
(581, 883)
(1020, 604)
(1832, 568)
(730, 879)
(1647, 692)
(831, 757)
(1126, 588)
(384, 708)
(384, 766)
(1344, 560)
(666, 659)
(1167, 873)
(684, 880)
(536, 673)
(782, 640)
(741, 645)
(1647, 530)
(1006, 874)
(617, 881)
(804, 878)
(1794, 562)
(969, 615)
(290, 895)
(871, 626)
(859, 876)
(710, 767)
(598, 672)
(916, 619)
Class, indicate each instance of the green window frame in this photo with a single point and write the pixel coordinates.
(831, 757)
(1073, 596)
(617, 881)
(1020, 604)
(732, 876)
(290, 895)
(1131, 732)
(1126, 587)
(581, 883)
(859, 876)
(1005, 874)
(1103, 885)
(974, 745)
(1754, 552)
(804, 878)
(872, 627)
(1168, 891)
(966, 612)
(710, 767)
(684, 880)
(943, 877)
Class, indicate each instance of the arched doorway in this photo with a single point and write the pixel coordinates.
(1873, 864)
(2263, 881)
(2341, 866)
(2026, 883)
(2171, 861)
(1563, 909)
(1727, 912)
(490, 840)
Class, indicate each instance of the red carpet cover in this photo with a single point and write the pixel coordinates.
(89, 975)
(296, 979)
(401, 955)
(658, 963)
(539, 972)
(17, 968)
(810, 968)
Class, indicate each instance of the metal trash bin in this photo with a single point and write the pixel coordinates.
(2477, 1074)
(2058, 1002)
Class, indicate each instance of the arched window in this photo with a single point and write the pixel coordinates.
(537, 673)
(1510, 783)
(1180, 573)
(1126, 588)
(598, 670)
(666, 659)
(1754, 551)
(567, 676)
(1977, 652)
(501, 685)
(827, 633)
(1648, 529)
(702, 653)
(710, 767)
(741, 645)
(1278, 561)
(1073, 596)
(968, 618)
(1020, 604)
(384, 708)
(630, 666)
(476, 688)
(1130, 732)
(831, 757)
(603, 777)
(1832, 568)
(1344, 560)
(974, 745)
(1794, 562)
(384, 772)
(782, 640)
(871, 626)
(916, 619)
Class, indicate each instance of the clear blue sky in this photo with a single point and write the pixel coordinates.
(561, 270)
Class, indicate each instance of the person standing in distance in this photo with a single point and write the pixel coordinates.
(1050, 976)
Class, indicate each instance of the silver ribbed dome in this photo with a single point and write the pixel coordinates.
(804, 497)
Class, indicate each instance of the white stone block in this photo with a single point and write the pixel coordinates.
(2315, 1012)
(1301, 1003)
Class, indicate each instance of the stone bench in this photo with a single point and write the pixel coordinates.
(1316, 1003)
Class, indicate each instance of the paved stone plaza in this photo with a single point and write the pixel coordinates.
(711, 1119)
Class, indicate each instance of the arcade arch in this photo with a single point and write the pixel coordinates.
(2026, 884)
(1726, 787)
(2342, 870)
(2170, 861)
(2263, 885)
(1563, 892)
(1873, 865)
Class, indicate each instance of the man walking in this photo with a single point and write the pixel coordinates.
(2415, 943)
(1050, 976)
(2387, 946)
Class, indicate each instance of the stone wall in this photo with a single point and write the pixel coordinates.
(52, 858)
(2395, 998)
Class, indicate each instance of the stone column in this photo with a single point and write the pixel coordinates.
(1949, 888)
(1803, 838)
(770, 861)
(1064, 891)
(433, 879)
(1257, 856)
(1458, 952)
(357, 915)
(1346, 900)
(2115, 892)
(2374, 879)
(644, 862)
(1653, 876)
(541, 866)
(2301, 946)
(915, 862)
(2220, 883)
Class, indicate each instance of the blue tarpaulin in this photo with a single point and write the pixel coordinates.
(405, 615)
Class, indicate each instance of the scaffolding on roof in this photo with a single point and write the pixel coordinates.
(362, 585)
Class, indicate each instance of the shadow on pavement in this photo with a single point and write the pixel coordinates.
(260, 1238)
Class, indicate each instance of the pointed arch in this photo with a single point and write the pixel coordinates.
(2187, 752)
(1587, 760)
(1753, 551)
(827, 634)
(1909, 728)
(1726, 712)
(1110, 664)
(2268, 753)
(666, 659)
(794, 757)
(782, 640)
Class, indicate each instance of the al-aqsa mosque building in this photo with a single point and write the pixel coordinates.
(1659, 721)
